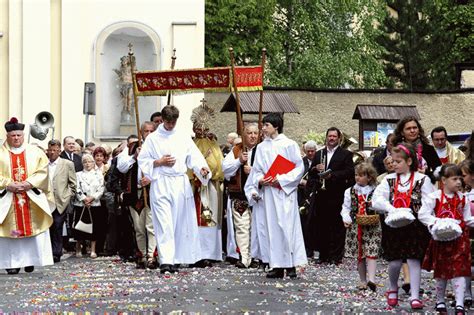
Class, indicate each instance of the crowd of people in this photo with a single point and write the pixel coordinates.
(165, 200)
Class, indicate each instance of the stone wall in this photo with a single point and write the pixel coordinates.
(322, 109)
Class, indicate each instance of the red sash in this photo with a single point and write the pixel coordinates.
(362, 202)
(21, 202)
(403, 200)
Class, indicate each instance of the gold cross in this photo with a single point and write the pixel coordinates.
(204, 102)
(19, 171)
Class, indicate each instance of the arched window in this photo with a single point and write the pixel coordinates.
(115, 110)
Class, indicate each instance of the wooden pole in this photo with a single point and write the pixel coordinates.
(173, 61)
(137, 114)
(260, 109)
(240, 123)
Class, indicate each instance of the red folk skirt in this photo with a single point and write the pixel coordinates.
(449, 259)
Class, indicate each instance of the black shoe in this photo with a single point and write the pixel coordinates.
(30, 269)
(56, 259)
(140, 264)
(263, 266)
(406, 288)
(372, 286)
(165, 268)
(441, 307)
(152, 264)
(231, 260)
(254, 264)
(275, 273)
(291, 273)
(13, 271)
(175, 268)
(467, 302)
(240, 265)
(203, 263)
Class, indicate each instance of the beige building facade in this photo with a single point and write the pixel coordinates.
(320, 110)
(50, 48)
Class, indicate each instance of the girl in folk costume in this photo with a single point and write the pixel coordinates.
(400, 195)
(362, 241)
(449, 253)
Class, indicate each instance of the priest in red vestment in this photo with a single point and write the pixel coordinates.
(25, 212)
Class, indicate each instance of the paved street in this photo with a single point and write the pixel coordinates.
(107, 284)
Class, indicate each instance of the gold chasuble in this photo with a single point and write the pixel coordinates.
(24, 214)
(212, 153)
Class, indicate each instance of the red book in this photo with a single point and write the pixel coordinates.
(280, 166)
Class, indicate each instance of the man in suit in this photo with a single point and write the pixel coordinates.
(62, 177)
(331, 173)
(69, 143)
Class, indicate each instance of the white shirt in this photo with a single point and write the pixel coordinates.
(330, 154)
(231, 164)
(442, 153)
(52, 169)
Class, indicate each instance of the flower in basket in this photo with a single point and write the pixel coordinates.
(399, 217)
(446, 229)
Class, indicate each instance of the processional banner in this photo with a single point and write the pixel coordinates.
(219, 79)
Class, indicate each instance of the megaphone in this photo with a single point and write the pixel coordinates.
(43, 121)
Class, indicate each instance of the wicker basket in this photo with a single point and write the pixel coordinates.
(367, 219)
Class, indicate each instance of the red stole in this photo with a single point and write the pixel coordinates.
(21, 202)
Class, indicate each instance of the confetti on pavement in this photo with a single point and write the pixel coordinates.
(106, 284)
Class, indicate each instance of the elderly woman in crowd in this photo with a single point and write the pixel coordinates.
(90, 187)
(101, 158)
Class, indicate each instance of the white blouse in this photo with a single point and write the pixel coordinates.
(381, 197)
(427, 211)
(89, 184)
(347, 205)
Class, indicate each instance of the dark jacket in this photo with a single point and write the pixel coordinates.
(77, 160)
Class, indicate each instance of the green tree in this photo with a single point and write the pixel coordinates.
(423, 40)
(310, 43)
(247, 26)
(327, 44)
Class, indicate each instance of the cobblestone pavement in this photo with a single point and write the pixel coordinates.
(106, 284)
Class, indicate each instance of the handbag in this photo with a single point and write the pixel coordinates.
(81, 225)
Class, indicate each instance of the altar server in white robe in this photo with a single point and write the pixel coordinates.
(278, 198)
(25, 212)
(164, 158)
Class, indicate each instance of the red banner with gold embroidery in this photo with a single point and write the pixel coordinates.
(206, 79)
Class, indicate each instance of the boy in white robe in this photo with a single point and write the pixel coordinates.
(277, 197)
(165, 158)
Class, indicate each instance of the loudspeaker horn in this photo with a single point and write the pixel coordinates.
(43, 121)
